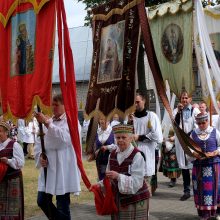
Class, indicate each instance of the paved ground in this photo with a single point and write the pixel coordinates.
(164, 205)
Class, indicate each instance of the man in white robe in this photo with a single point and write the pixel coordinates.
(148, 134)
(185, 118)
(63, 176)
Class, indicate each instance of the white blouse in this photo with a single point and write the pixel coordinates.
(208, 131)
(17, 161)
(103, 135)
(130, 184)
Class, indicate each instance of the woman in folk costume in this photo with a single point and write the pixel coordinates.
(206, 172)
(169, 164)
(11, 184)
(104, 144)
(126, 172)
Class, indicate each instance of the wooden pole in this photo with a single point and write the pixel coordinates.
(44, 156)
(41, 134)
(210, 113)
(181, 115)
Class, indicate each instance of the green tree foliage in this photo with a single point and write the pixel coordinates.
(94, 3)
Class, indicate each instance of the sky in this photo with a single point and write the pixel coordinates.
(75, 13)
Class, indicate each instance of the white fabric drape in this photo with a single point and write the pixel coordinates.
(166, 122)
(204, 48)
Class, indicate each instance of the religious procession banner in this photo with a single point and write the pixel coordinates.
(171, 29)
(115, 48)
(207, 47)
(186, 142)
(26, 55)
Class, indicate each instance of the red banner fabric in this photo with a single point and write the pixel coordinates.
(68, 85)
(68, 88)
(8, 7)
(26, 58)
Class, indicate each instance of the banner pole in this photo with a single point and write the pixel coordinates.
(210, 112)
(41, 135)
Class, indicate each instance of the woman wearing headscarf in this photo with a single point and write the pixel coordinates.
(126, 172)
(206, 171)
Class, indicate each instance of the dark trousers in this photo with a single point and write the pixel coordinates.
(25, 148)
(186, 180)
(62, 211)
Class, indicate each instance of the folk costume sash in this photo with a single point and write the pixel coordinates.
(116, 40)
(26, 57)
(171, 29)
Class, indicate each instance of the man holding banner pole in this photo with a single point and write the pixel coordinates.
(185, 118)
(63, 176)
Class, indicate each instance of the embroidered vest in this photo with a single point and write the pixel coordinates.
(208, 145)
(8, 152)
(126, 199)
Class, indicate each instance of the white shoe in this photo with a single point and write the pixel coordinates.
(218, 217)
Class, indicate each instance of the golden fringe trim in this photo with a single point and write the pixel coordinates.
(168, 11)
(110, 115)
(149, 125)
(207, 100)
(36, 101)
(211, 14)
(37, 8)
(117, 11)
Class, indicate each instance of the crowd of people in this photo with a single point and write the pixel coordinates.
(126, 152)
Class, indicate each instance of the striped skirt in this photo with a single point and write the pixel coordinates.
(12, 199)
(206, 188)
(169, 164)
(137, 211)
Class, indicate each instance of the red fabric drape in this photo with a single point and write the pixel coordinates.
(68, 88)
(105, 204)
(68, 85)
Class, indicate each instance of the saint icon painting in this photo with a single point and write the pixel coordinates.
(172, 43)
(23, 29)
(111, 53)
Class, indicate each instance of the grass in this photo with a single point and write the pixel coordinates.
(30, 177)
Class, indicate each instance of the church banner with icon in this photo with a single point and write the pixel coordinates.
(26, 57)
(171, 29)
(115, 49)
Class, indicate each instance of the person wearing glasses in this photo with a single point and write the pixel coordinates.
(185, 118)
(205, 173)
(125, 170)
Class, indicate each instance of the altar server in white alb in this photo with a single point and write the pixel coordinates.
(148, 134)
(185, 118)
(63, 176)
